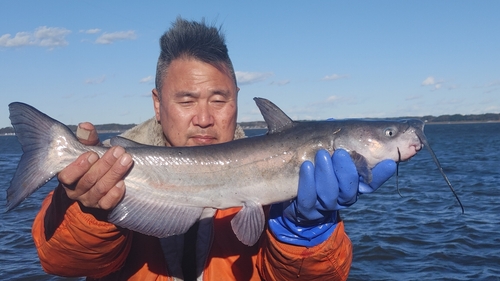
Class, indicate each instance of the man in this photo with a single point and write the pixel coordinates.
(195, 103)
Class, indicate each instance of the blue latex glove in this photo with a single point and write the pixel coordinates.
(331, 185)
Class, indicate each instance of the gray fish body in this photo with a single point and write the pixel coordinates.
(170, 188)
(263, 167)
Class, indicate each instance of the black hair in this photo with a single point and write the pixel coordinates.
(190, 39)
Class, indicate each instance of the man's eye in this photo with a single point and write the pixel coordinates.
(218, 102)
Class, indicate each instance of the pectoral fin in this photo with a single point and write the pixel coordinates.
(248, 223)
(362, 166)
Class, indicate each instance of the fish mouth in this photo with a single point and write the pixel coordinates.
(416, 147)
(416, 143)
(412, 149)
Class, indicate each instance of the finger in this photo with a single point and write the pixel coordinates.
(87, 134)
(382, 172)
(327, 185)
(347, 176)
(113, 196)
(94, 174)
(306, 194)
(113, 178)
(70, 175)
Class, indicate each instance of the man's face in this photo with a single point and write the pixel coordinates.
(198, 104)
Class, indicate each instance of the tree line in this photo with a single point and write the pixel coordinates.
(454, 118)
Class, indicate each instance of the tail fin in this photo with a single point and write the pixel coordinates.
(35, 131)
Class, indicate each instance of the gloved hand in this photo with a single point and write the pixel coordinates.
(331, 185)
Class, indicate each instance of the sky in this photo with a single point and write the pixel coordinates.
(96, 60)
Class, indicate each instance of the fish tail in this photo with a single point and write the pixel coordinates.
(35, 131)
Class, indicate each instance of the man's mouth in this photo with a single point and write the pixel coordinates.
(203, 139)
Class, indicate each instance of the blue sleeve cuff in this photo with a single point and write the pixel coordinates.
(288, 232)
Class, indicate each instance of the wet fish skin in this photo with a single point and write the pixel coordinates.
(170, 188)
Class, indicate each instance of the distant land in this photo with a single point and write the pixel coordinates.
(442, 119)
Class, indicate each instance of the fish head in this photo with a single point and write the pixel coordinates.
(379, 140)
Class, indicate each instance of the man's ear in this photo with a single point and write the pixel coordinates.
(156, 103)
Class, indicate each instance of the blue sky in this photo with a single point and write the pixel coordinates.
(95, 60)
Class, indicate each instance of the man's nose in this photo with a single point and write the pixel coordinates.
(203, 117)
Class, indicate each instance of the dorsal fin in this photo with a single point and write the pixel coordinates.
(275, 118)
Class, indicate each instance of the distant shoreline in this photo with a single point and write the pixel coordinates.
(257, 125)
(461, 122)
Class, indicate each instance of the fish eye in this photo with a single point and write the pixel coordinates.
(390, 132)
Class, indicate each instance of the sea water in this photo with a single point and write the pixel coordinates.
(420, 236)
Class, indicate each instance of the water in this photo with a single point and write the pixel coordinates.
(424, 236)
(421, 236)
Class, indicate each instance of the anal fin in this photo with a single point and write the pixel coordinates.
(248, 223)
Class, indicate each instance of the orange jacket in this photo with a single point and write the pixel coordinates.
(71, 242)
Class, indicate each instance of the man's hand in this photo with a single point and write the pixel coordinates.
(94, 182)
(331, 184)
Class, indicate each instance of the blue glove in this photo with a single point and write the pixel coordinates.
(333, 184)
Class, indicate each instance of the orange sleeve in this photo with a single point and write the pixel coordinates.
(330, 260)
(73, 243)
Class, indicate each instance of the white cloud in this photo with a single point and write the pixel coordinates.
(332, 98)
(428, 81)
(43, 36)
(431, 81)
(21, 39)
(109, 38)
(251, 77)
(334, 77)
(91, 31)
(414, 97)
(280, 83)
(493, 83)
(490, 90)
(452, 101)
(68, 96)
(51, 36)
(96, 80)
(146, 79)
